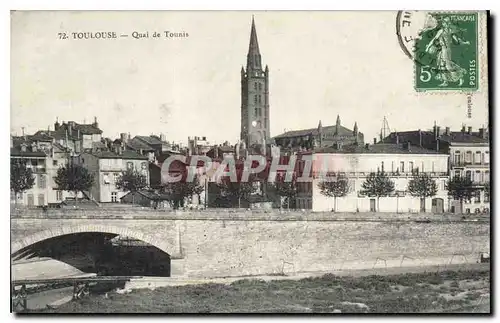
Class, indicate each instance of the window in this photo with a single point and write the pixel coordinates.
(54, 162)
(478, 177)
(105, 178)
(255, 99)
(433, 167)
(59, 195)
(422, 167)
(402, 165)
(392, 167)
(114, 197)
(477, 196)
(255, 86)
(260, 86)
(468, 157)
(410, 166)
(487, 176)
(31, 200)
(486, 196)
(487, 157)
(116, 176)
(260, 101)
(144, 165)
(443, 183)
(382, 166)
(42, 181)
(41, 199)
(457, 173)
(457, 157)
(130, 165)
(477, 158)
(468, 174)
(256, 112)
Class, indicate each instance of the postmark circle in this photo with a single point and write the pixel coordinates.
(409, 25)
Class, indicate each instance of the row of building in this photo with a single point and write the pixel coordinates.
(439, 152)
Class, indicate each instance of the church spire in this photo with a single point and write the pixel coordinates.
(253, 57)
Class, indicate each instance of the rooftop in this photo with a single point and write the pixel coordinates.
(428, 136)
(127, 154)
(375, 149)
(342, 131)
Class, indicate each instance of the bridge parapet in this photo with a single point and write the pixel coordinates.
(136, 213)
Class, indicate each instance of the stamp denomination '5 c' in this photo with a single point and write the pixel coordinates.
(446, 53)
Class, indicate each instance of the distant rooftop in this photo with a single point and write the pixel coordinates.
(126, 154)
(375, 149)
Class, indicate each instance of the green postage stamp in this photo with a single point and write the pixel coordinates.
(446, 53)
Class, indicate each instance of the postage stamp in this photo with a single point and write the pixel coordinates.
(446, 53)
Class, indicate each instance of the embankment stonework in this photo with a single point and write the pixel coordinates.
(217, 244)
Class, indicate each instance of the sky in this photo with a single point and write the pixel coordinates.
(322, 64)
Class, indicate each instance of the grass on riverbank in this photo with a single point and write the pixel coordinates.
(449, 291)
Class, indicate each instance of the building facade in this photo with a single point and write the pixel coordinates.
(107, 167)
(400, 163)
(198, 145)
(44, 156)
(469, 156)
(255, 124)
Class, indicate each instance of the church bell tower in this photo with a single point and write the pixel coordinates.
(254, 96)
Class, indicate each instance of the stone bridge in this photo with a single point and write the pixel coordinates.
(219, 243)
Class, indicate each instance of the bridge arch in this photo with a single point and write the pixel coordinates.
(27, 241)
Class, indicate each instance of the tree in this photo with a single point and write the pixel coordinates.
(74, 178)
(21, 177)
(178, 191)
(286, 189)
(377, 184)
(460, 188)
(237, 189)
(337, 188)
(422, 186)
(131, 181)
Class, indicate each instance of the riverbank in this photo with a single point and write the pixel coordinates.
(425, 292)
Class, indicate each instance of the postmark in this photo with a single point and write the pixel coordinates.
(443, 47)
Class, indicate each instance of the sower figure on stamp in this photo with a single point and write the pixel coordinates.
(440, 45)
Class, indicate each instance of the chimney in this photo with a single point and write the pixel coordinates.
(469, 130)
(162, 137)
(438, 131)
(420, 137)
(78, 133)
(482, 133)
(56, 125)
(437, 145)
(95, 124)
(123, 137)
(434, 129)
(447, 131)
(70, 128)
(463, 128)
(374, 140)
(128, 136)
